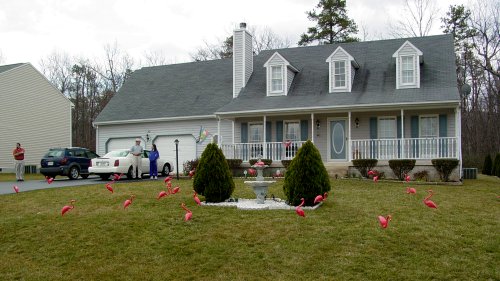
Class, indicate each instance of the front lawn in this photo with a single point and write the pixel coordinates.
(27, 177)
(342, 240)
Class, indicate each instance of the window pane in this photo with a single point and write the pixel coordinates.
(339, 73)
(407, 69)
(256, 131)
(428, 127)
(387, 128)
(276, 78)
(292, 130)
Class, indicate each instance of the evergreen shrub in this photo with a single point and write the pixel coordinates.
(306, 177)
(402, 167)
(286, 163)
(487, 166)
(364, 165)
(213, 177)
(444, 167)
(234, 163)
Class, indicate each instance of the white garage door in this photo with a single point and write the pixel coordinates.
(121, 143)
(166, 147)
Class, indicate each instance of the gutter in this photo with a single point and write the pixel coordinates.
(151, 120)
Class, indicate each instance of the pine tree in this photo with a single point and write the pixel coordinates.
(332, 24)
(487, 166)
(213, 177)
(306, 177)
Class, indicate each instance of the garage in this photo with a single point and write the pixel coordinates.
(120, 143)
(166, 147)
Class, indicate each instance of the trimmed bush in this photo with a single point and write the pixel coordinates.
(444, 167)
(495, 171)
(306, 177)
(402, 167)
(213, 178)
(364, 165)
(267, 162)
(487, 166)
(286, 163)
(234, 163)
(421, 176)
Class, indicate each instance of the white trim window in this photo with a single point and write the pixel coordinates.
(407, 70)
(255, 132)
(277, 79)
(429, 126)
(292, 130)
(387, 132)
(339, 76)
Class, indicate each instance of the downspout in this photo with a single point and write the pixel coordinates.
(458, 130)
(402, 134)
(264, 151)
(312, 126)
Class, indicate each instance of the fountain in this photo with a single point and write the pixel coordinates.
(259, 185)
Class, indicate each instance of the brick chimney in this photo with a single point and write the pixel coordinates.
(242, 58)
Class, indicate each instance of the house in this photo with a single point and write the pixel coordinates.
(34, 113)
(388, 99)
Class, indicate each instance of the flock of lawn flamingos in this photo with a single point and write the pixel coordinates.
(384, 221)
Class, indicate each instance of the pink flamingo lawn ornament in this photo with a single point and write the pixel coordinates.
(196, 199)
(167, 179)
(191, 173)
(188, 214)
(384, 222)
(411, 190)
(320, 198)
(67, 207)
(299, 210)
(128, 201)
(428, 202)
(162, 193)
(16, 189)
(176, 189)
(375, 178)
(252, 172)
(49, 180)
(371, 173)
(109, 187)
(407, 178)
(117, 177)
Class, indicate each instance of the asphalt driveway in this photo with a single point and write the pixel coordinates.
(7, 187)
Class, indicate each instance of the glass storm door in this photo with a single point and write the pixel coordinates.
(338, 140)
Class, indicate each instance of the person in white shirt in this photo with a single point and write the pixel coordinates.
(136, 151)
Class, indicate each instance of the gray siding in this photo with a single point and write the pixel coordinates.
(32, 112)
(289, 77)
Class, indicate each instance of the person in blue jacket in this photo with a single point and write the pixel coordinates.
(153, 167)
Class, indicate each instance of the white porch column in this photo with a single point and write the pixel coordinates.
(349, 156)
(312, 127)
(264, 151)
(458, 133)
(218, 132)
(402, 134)
(233, 133)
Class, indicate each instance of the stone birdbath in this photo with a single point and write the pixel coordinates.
(259, 185)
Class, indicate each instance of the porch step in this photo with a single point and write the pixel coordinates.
(336, 169)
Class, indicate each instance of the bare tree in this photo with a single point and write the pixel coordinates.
(57, 67)
(154, 58)
(266, 39)
(1, 57)
(416, 19)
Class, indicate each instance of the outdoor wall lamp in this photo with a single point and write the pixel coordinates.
(317, 124)
(356, 121)
(147, 136)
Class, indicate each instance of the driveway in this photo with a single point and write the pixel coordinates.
(6, 187)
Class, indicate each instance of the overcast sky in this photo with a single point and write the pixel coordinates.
(32, 29)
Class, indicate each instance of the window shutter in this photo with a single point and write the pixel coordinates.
(244, 132)
(303, 130)
(268, 131)
(279, 131)
(373, 127)
(398, 125)
(443, 125)
(414, 134)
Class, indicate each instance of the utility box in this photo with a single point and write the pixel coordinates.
(470, 173)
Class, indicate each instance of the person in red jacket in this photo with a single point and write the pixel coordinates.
(19, 158)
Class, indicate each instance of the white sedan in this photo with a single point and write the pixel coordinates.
(120, 162)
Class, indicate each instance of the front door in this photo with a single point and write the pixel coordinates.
(338, 136)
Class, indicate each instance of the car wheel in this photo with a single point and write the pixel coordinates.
(85, 176)
(129, 173)
(104, 177)
(74, 172)
(166, 170)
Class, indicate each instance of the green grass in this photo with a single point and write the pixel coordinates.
(341, 240)
(12, 177)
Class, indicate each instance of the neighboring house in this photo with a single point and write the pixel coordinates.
(33, 113)
(389, 99)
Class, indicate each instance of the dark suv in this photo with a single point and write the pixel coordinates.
(71, 162)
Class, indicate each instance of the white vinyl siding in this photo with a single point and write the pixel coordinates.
(339, 76)
(276, 79)
(34, 113)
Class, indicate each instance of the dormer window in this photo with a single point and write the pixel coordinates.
(277, 79)
(408, 60)
(280, 74)
(342, 68)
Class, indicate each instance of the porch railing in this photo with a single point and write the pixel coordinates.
(412, 148)
(276, 151)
